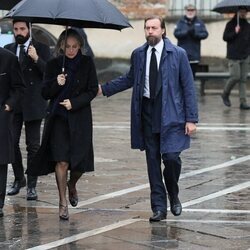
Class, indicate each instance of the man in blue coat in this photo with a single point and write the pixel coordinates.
(164, 111)
(189, 31)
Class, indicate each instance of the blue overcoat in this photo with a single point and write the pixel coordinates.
(178, 96)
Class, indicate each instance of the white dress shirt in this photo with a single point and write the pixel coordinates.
(26, 45)
(158, 51)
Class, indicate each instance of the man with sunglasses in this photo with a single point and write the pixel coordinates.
(189, 31)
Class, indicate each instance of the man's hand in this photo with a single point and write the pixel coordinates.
(32, 53)
(99, 90)
(67, 104)
(237, 29)
(190, 128)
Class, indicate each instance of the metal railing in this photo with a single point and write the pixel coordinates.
(204, 7)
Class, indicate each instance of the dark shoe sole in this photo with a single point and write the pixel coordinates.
(153, 220)
(28, 198)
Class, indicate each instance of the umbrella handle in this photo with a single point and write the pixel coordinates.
(65, 38)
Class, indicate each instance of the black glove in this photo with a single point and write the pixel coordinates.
(191, 30)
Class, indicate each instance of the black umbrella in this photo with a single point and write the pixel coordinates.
(78, 13)
(8, 4)
(231, 6)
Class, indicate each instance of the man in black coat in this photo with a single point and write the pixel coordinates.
(237, 37)
(32, 56)
(11, 89)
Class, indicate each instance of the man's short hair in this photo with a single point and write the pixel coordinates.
(190, 6)
(18, 20)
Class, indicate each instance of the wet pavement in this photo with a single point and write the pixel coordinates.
(114, 202)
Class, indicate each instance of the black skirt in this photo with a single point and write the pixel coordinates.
(60, 140)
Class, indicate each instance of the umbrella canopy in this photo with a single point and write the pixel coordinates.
(231, 6)
(8, 4)
(78, 13)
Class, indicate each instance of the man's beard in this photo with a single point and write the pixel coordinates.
(152, 40)
(22, 39)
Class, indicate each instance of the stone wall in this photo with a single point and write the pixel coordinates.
(139, 9)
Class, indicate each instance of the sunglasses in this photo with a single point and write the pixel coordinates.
(190, 9)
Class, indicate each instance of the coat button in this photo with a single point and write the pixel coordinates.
(31, 83)
(30, 69)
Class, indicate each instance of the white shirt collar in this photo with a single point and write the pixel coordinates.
(159, 46)
(26, 44)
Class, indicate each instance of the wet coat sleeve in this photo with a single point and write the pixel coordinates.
(17, 84)
(229, 32)
(84, 97)
(181, 30)
(50, 86)
(189, 93)
(200, 32)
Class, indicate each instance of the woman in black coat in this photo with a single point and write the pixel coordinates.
(67, 140)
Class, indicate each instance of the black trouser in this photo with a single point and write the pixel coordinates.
(32, 140)
(172, 163)
(194, 67)
(3, 181)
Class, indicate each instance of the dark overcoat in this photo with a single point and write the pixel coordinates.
(178, 96)
(79, 117)
(11, 90)
(189, 34)
(33, 106)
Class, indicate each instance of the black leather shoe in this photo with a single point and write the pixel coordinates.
(16, 186)
(175, 206)
(225, 99)
(1, 212)
(158, 216)
(31, 194)
(244, 106)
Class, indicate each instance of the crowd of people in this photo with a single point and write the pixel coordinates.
(59, 88)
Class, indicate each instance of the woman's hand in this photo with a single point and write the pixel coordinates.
(61, 79)
(67, 104)
(7, 108)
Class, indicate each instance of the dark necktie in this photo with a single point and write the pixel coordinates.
(21, 53)
(153, 72)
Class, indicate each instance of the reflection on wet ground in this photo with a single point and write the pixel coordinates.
(114, 203)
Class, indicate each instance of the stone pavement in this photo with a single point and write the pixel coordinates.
(114, 200)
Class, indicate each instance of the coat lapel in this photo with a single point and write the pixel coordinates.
(142, 68)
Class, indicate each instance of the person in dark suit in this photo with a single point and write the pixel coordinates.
(70, 84)
(11, 90)
(163, 111)
(32, 56)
